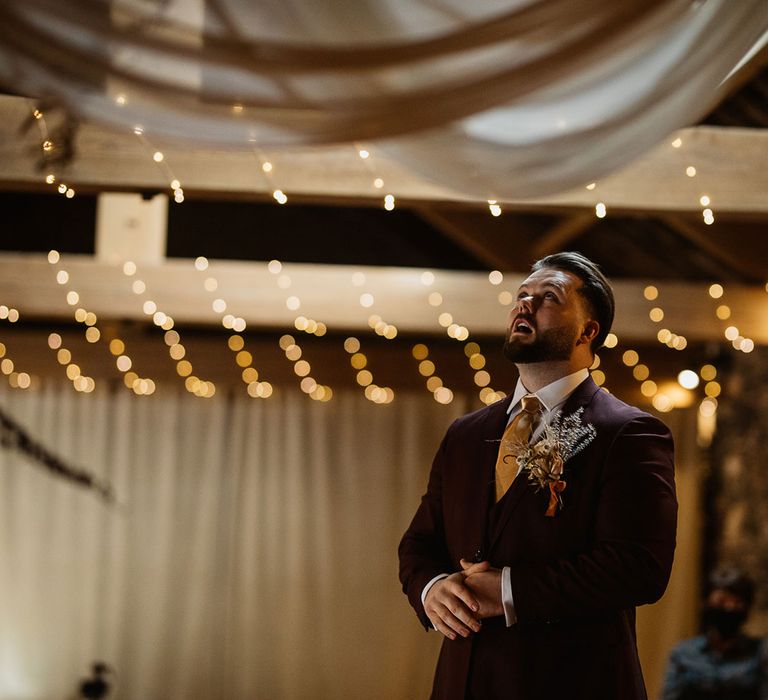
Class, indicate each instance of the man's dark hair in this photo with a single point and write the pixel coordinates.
(595, 288)
(733, 580)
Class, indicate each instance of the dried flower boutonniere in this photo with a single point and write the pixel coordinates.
(545, 459)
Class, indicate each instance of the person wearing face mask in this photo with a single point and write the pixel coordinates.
(722, 663)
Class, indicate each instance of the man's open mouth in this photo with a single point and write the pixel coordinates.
(522, 326)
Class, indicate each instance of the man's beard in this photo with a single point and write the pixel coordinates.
(552, 345)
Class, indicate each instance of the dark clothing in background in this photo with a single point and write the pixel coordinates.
(697, 672)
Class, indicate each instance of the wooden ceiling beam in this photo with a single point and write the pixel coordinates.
(484, 248)
(563, 233)
(716, 248)
(730, 163)
(28, 283)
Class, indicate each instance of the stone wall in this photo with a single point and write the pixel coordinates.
(737, 489)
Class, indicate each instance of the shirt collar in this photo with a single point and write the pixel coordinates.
(551, 395)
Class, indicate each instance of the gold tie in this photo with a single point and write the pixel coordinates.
(519, 431)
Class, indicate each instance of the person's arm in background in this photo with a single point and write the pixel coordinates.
(673, 677)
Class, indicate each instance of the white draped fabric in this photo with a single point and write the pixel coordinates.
(501, 99)
(253, 552)
(252, 556)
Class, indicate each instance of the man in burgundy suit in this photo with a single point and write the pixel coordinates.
(535, 587)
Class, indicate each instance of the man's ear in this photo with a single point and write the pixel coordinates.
(589, 332)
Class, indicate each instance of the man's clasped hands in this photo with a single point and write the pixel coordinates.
(458, 603)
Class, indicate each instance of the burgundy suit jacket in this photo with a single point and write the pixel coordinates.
(576, 577)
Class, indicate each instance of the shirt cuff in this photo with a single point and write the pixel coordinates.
(426, 588)
(507, 599)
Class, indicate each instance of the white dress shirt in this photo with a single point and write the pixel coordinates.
(552, 398)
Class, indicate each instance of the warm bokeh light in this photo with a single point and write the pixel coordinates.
(358, 360)
(352, 344)
(712, 389)
(235, 343)
(477, 361)
(482, 378)
(92, 335)
(434, 383)
(688, 379)
(426, 368)
(630, 358)
(435, 299)
(723, 312)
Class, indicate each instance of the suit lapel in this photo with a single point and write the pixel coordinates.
(581, 396)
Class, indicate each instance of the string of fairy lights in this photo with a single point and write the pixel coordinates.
(472, 350)
(49, 146)
(358, 360)
(665, 398)
(16, 379)
(656, 314)
(290, 346)
(731, 332)
(141, 386)
(236, 343)
(267, 170)
(662, 398)
(177, 352)
(688, 379)
(159, 159)
(377, 182)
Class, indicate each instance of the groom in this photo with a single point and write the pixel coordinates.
(533, 575)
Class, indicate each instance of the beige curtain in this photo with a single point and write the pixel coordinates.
(252, 554)
(675, 616)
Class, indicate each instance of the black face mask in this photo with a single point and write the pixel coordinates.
(726, 622)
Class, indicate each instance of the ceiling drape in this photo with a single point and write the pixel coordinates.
(497, 99)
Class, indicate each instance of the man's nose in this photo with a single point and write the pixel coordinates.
(525, 302)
